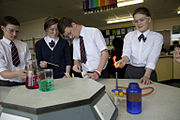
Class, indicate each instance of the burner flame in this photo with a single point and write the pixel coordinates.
(115, 62)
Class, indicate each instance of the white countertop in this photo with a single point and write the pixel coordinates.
(3, 93)
(67, 91)
(162, 104)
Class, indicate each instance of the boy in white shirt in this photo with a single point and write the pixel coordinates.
(141, 49)
(92, 56)
(14, 54)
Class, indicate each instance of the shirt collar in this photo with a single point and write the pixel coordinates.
(82, 31)
(144, 33)
(48, 39)
(7, 41)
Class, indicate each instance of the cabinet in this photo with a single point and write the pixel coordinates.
(167, 69)
(176, 68)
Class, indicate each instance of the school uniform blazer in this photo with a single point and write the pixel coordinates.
(60, 55)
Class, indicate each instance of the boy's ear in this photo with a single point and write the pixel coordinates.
(2, 28)
(149, 19)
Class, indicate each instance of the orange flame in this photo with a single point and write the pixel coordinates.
(115, 63)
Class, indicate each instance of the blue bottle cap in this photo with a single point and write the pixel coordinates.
(133, 85)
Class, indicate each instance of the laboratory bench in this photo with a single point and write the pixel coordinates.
(162, 104)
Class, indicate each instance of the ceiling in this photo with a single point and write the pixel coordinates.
(26, 10)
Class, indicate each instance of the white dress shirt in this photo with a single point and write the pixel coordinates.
(143, 54)
(94, 43)
(6, 58)
(48, 39)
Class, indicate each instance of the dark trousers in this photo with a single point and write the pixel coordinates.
(8, 83)
(105, 73)
(133, 72)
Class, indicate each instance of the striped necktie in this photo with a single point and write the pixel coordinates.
(14, 53)
(82, 50)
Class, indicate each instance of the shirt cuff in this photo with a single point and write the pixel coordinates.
(151, 66)
(127, 56)
(105, 48)
(2, 69)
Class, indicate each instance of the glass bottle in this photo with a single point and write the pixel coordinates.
(134, 100)
(33, 76)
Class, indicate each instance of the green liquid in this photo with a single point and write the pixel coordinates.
(46, 85)
(50, 85)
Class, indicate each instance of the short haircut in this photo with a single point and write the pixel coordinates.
(118, 43)
(50, 21)
(142, 10)
(175, 42)
(63, 23)
(10, 20)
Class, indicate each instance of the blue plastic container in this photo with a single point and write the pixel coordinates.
(134, 100)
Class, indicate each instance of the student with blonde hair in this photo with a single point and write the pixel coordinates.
(141, 49)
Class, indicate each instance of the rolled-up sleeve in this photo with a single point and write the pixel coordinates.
(76, 51)
(3, 63)
(99, 40)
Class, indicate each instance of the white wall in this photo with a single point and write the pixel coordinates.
(120, 25)
(165, 24)
(34, 28)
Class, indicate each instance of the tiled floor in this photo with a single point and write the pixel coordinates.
(175, 83)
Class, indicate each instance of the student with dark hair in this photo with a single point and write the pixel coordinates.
(117, 44)
(175, 44)
(89, 48)
(141, 49)
(53, 49)
(14, 54)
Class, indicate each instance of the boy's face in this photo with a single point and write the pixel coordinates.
(10, 31)
(141, 22)
(52, 31)
(72, 32)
